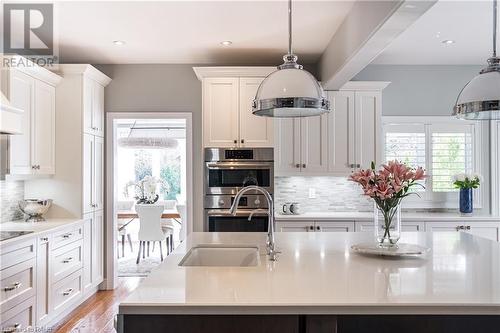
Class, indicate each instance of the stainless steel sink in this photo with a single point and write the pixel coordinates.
(222, 255)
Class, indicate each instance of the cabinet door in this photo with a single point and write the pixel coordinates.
(43, 128)
(341, 133)
(488, 230)
(295, 226)
(334, 226)
(314, 144)
(97, 247)
(220, 112)
(42, 279)
(368, 105)
(21, 92)
(255, 131)
(88, 221)
(88, 105)
(98, 109)
(287, 146)
(88, 170)
(98, 173)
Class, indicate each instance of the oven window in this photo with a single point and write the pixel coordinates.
(237, 224)
(238, 178)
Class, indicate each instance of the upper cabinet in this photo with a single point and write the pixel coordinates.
(346, 139)
(228, 120)
(93, 107)
(33, 91)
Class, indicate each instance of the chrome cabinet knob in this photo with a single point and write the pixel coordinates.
(318, 228)
(235, 141)
(304, 165)
(242, 140)
(311, 227)
(297, 165)
(15, 285)
(221, 202)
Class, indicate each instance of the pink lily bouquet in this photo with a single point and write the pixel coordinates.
(387, 187)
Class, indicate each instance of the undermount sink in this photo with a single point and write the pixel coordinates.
(222, 255)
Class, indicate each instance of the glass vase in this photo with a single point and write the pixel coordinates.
(387, 225)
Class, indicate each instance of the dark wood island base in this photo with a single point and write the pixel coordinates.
(309, 323)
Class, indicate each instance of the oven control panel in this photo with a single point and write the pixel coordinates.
(252, 201)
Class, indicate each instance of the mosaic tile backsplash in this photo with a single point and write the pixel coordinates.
(334, 194)
(10, 193)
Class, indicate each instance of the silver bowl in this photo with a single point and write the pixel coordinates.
(34, 208)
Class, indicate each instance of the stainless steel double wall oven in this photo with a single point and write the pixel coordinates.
(227, 170)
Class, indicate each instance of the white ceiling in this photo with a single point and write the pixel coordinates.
(191, 32)
(468, 23)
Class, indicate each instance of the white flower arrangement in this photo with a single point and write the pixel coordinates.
(464, 180)
(146, 189)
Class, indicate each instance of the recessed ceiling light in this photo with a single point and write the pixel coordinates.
(226, 43)
(448, 41)
(119, 42)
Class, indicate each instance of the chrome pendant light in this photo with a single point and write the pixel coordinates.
(290, 91)
(480, 98)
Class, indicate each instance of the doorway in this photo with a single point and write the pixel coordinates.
(149, 161)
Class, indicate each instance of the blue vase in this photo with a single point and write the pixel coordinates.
(466, 201)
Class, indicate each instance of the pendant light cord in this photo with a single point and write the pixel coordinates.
(290, 26)
(495, 11)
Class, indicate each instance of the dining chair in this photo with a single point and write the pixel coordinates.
(150, 228)
(123, 232)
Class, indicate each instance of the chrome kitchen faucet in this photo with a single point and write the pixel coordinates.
(271, 251)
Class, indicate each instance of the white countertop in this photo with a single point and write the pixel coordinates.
(316, 273)
(405, 216)
(37, 227)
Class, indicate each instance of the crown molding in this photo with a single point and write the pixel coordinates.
(247, 71)
(86, 70)
(28, 67)
(365, 85)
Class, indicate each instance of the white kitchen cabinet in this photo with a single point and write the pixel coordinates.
(98, 248)
(93, 107)
(301, 146)
(33, 151)
(228, 121)
(314, 226)
(43, 279)
(335, 144)
(340, 132)
(405, 226)
(220, 112)
(88, 221)
(254, 131)
(77, 188)
(489, 230)
(295, 226)
(334, 226)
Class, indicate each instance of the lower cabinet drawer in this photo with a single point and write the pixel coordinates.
(15, 252)
(66, 291)
(66, 260)
(66, 236)
(17, 284)
(20, 318)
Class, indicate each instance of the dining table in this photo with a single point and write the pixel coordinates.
(130, 214)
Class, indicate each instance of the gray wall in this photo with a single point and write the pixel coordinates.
(419, 90)
(161, 88)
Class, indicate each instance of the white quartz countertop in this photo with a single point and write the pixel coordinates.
(316, 273)
(405, 216)
(38, 228)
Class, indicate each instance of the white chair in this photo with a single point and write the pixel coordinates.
(182, 212)
(150, 228)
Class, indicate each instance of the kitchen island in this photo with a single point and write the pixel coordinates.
(319, 285)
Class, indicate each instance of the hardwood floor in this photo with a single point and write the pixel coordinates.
(98, 312)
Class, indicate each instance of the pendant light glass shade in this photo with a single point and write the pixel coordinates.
(480, 98)
(290, 91)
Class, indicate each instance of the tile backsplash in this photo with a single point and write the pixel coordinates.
(10, 193)
(335, 194)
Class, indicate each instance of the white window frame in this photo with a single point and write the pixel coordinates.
(430, 199)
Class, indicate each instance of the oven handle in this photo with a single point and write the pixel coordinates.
(239, 212)
(240, 165)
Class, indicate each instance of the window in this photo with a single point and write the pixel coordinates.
(443, 146)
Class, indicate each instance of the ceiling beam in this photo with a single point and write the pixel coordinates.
(367, 30)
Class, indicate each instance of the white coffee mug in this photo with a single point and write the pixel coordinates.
(286, 208)
(295, 208)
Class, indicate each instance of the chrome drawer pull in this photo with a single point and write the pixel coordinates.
(66, 236)
(68, 260)
(15, 285)
(12, 328)
(67, 292)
